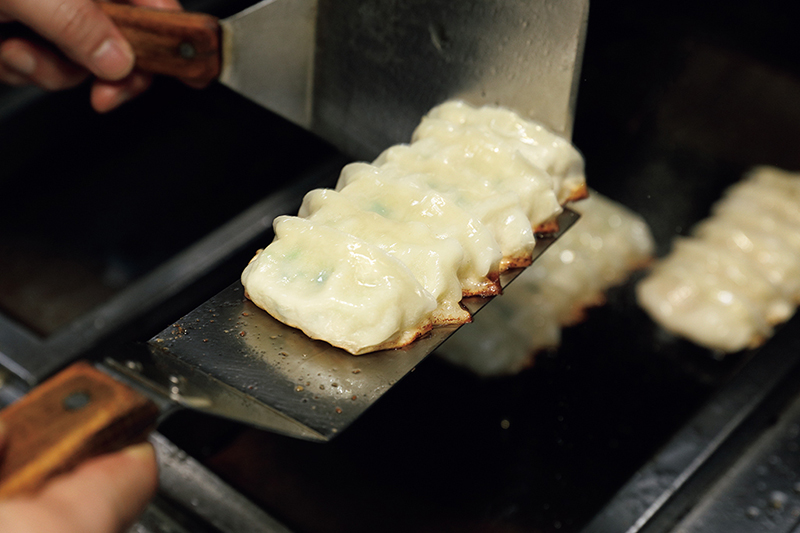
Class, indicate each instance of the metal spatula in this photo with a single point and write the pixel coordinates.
(228, 358)
(287, 382)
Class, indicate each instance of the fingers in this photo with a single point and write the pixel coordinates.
(85, 35)
(170, 5)
(103, 495)
(81, 30)
(106, 96)
(24, 62)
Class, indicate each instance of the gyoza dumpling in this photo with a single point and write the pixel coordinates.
(768, 252)
(546, 150)
(498, 207)
(434, 262)
(338, 288)
(376, 189)
(704, 292)
(481, 162)
(601, 249)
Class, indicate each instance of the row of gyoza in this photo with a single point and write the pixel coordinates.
(392, 250)
(738, 274)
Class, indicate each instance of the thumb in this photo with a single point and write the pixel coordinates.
(81, 30)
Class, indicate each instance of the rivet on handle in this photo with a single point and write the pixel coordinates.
(187, 50)
(76, 400)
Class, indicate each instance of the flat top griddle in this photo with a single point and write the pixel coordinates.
(657, 136)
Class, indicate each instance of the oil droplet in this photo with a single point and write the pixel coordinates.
(338, 410)
(299, 388)
(778, 499)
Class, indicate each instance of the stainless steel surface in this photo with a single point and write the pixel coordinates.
(229, 358)
(761, 492)
(656, 494)
(32, 358)
(183, 481)
(360, 73)
(268, 56)
(382, 64)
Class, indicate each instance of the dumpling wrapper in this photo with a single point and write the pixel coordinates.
(337, 288)
(541, 147)
(377, 189)
(483, 162)
(771, 254)
(600, 250)
(705, 293)
(448, 171)
(434, 262)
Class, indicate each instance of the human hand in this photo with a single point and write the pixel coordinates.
(87, 42)
(103, 495)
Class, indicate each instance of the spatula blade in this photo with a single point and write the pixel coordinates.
(268, 56)
(230, 358)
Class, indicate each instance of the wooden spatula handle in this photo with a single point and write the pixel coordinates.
(174, 43)
(77, 414)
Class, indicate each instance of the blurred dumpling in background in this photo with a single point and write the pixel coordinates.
(738, 275)
(599, 251)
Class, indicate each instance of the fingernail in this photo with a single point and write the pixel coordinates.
(113, 59)
(19, 59)
(141, 451)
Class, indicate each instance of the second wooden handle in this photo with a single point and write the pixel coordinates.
(78, 414)
(173, 43)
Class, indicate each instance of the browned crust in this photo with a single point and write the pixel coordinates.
(402, 342)
(256, 255)
(549, 226)
(578, 193)
(509, 263)
(490, 287)
(451, 319)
